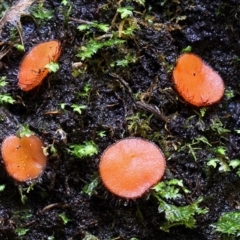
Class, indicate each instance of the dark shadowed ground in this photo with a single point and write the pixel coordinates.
(211, 29)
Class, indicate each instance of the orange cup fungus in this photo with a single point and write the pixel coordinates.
(196, 82)
(32, 69)
(23, 157)
(131, 166)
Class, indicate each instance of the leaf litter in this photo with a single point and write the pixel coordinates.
(14, 14)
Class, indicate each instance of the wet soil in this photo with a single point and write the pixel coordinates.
(211, 28)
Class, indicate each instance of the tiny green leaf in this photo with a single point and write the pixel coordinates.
(3, 81)
(187, 49)
(52, 67)
(101, 133)
(101, 26)
(228, 223)
(21, 231)
(125, 11)
(234, 163)
(19, 47)
(64, 218)
(183, 215)
(2, 187)
(5, 98)
(42, 13)
(78, 108)
(229, 94)
(64, 2)
(169, 189)
(87, 149)
(213, 162)
(90, 188)
(24, 131)
(221, 150)
(63, 105)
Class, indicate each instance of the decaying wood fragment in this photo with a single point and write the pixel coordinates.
(13, 14)
(152, 109)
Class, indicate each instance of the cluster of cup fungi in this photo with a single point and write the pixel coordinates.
(129, 167)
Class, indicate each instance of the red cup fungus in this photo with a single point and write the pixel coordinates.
(131, 166)
(197, 82)
(23, 157)
(32, 69)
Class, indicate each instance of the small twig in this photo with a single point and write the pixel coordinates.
(19, 28)
(80, 20)
(5, 51)
(108, 35)
(124, 103)
(152, 109)
(50, 206)
(114, 20)
(53, 205)
(115, 15)
(122, 81)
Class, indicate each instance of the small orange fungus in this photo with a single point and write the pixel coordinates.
(32, 69)
(23, 157)
(196, 82)
(131, 166)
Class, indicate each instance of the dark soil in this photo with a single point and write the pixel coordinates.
(211, 28)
